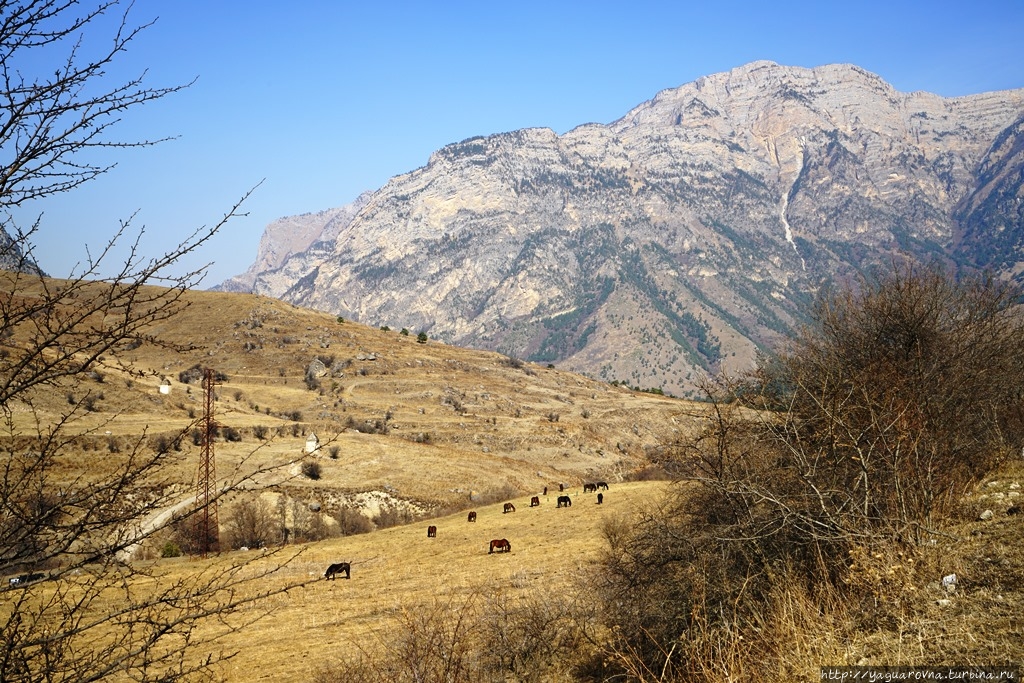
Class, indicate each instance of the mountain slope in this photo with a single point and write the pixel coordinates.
(680, 238)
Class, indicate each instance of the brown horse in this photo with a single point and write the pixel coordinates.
(600, 498)
(337, 568)
(509, 507)
(471, 517)
(602, 485)
(501, 545)
(589, 488)
(431, 531)
(535, 501)
(564, 501)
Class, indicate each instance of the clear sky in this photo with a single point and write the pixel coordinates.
(323, 100)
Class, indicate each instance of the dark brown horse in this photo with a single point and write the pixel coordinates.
(589, 488)
(602, 485)
(600, 498)
(509, 507)
(564, 501)
(338, 568)
(471, 517)
(501, 545)
(535, 501)
(431, 531)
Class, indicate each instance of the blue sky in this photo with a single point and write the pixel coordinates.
(323, 100)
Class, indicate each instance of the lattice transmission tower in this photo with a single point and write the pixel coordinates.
(208, 525)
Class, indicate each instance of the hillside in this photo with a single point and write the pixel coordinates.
(405, 586)
(685, 236)
(421, 424)
(431, 431)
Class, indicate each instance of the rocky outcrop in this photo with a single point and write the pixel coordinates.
(14, 258)
(292, 235)
(680, 238)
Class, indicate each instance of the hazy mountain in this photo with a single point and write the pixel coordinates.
(679, 238)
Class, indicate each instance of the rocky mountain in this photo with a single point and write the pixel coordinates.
(13, 257)
(682, 237)
(292, 235)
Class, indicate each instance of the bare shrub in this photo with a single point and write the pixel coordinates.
(351, 522)
(250, 523)
(390, 516)
(498, 495)
(532, 636)
(429, 643)
(849, 443)
(311, 469)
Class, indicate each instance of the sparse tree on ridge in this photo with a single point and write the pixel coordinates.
(69, 537)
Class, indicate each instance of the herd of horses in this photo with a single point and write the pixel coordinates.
(500, 545)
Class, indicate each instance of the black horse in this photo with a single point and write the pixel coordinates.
(564, 501)
(337, 568)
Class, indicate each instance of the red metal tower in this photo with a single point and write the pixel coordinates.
(207, 527)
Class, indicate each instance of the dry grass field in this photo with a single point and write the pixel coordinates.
(399, 570)
(433, 431)
(428, 423)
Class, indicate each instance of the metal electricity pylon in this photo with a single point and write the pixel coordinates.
(207, 527)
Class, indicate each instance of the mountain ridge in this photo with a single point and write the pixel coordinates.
(682, 237)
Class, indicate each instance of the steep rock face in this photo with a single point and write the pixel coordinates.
(14, 258)
(678, 239)
(293, 235)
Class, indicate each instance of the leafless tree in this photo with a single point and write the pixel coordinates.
(251, 523)
(67, 539)
(51, 119)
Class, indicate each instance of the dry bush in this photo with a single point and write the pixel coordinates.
(499, 634)
(815, 478)
(391, 515)
(250, 523)
(429, 644)
(351, 521)
(498, 495)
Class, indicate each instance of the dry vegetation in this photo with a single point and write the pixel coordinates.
(587, 593)
(426, 423)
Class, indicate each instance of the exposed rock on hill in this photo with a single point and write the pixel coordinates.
(677, 239)
(13, 258)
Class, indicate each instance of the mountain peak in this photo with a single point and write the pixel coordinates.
(679, 239)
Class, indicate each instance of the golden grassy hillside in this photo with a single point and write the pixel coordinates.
(400, 570)
(425, 424)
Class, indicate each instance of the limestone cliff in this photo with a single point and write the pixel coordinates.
(678, 239)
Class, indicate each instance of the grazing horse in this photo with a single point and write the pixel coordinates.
(589, 488)
(534, 502)
(600, 498)
(431, 531)
(501, 545)
(471, 517)
(509, 507)
(564, 501)
(561, 488)
(545, 490)
(602, 485)
(337, 568)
